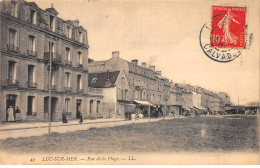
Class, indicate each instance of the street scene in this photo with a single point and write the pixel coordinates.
(59, 95)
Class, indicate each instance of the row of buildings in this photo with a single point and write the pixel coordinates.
(30, 36)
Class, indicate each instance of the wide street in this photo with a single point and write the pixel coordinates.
(15, 130)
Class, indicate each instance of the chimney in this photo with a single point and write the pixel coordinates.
(152, 67)
(75, 22)
(159, 72)
(115, 54)
(144, 64)
(135, 61)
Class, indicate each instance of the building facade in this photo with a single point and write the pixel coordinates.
(30, 36)
(145, 83)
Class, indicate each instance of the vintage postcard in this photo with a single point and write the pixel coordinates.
(91, 82)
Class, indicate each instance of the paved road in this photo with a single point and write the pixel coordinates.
(38, 129)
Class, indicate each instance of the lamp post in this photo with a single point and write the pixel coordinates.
(50, 71)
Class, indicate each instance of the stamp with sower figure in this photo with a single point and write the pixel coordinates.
(225, 37)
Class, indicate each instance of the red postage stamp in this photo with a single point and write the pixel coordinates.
(228, 29)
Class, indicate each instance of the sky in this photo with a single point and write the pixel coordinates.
(166, 34)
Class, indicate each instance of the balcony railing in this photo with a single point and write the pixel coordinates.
(31, 85)
(56, 58)
(12, 47)
(31, 53)
(53, 87)
(79, 90)
(68, 62)
(67, 89)
(95, 91)
(79, 65)
(12, 82)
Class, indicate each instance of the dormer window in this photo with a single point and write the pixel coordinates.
(80, 37)
(14, 8)
(68, 31)
(52, 23)
(33, 17)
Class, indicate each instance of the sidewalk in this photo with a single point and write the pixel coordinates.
(19, 126)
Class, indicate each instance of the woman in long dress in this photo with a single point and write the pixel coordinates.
(10, 113)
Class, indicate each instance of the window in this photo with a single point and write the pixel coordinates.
(126, 91)
(79, 85)
(80, 37)
(67, 102)
(98, 103)
(14, 8)
(33, 17)
(133, 81)
(31, 43)
(80, 57)
(67, 79)
(122, 94)
(133, 94)
(12, 38)
(52, 78)
(30, 105)
(94, 80)
(68, 31)
(12, 71)
(52, 23)
(123, 81)
(68, 54)
(31, 74)
(90, 106)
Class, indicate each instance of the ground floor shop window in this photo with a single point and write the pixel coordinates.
(30, 105)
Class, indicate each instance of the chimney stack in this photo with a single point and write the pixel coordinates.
(115, 54)
(152, 67)
(144, 64)
(135, 61)
(159, 72)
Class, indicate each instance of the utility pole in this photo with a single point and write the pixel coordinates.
(149, 110)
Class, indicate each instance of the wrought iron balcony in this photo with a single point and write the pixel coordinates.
(79, 65)
(53, 87)
(12, 47)
(31, 53)
(31, 85)
(68, 62)
(12, 82)
(67, 89)
(56, 58)
(79, 90)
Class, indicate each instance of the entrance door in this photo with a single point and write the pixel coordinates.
(78, 108)
(10, 101)
(53, 108)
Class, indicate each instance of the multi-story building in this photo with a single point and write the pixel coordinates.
(30, 36)
(145, 83)
(225, 97)
(187, 96)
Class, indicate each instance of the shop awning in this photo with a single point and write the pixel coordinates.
(146, 103)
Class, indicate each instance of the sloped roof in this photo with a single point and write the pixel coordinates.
(102, 79)
(52, 10)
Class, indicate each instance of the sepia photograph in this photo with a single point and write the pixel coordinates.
(135, 82)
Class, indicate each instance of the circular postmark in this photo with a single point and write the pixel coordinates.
(219, 54)
(220, 41)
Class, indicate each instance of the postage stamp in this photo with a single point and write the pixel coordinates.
(225, 37)
(228, 26)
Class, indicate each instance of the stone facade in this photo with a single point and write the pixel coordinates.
(29, 36)
(145, 83)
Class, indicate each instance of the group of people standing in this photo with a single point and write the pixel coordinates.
(13, 115)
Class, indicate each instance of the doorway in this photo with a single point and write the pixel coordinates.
(78, 108)
(10, 101)
(53, 108)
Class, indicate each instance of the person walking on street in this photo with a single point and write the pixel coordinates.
(80, 118)
(17, 114)
(64, 117)
(10, 113)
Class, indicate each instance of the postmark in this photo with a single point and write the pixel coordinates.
(224, 38)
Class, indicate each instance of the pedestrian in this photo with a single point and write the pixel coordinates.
(17, 114)
(10, 113)
(64, 117)
(80, 118)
